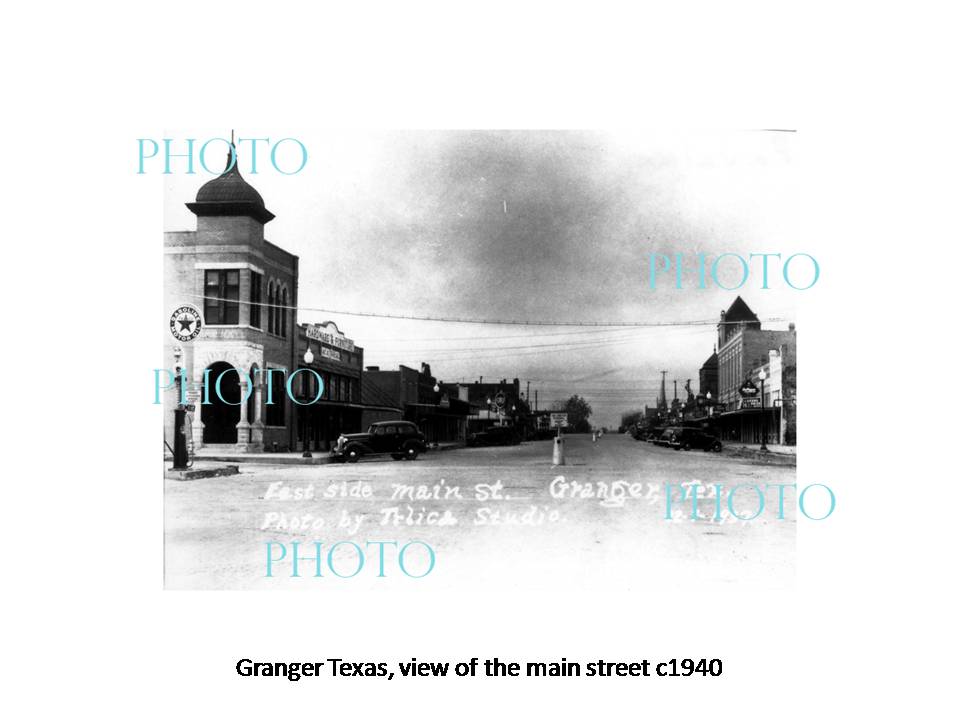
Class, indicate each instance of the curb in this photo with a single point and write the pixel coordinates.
(278, 460)
(762, 458)
(204, 473)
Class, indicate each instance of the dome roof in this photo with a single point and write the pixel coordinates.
(230, 194)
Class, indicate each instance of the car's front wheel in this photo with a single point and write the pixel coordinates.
(352, 455)
(411, 453)
(717, 447)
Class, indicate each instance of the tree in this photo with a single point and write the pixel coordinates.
(578, 413)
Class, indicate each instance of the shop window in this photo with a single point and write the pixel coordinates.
(221, 290)
(256, 291)
(308, 384)
(270, 300)
(275, 411)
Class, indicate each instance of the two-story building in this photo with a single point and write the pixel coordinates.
(327, 401)
(439, 413)
(246, 288)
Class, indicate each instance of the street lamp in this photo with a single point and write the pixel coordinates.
(763, 423)
(308, 359)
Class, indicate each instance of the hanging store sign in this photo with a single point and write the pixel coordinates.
(330, 334)
(748, 389)
(749, 403)
(329, 353)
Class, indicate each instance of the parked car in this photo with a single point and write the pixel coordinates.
(495, 435)
(686, 438)
(399, 439)
(665, 436)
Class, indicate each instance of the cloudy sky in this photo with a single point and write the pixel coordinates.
(529, 226)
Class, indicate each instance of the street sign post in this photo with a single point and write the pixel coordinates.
(558, 420)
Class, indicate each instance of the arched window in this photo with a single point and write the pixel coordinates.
(270, 301)
(283, 313)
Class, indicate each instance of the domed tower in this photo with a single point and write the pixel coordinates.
(246, 289)
(230, 207)
(229, 195)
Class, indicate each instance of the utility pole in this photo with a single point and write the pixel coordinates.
(536, 399)
(662, 400)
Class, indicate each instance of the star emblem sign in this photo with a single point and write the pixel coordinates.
(185, 323)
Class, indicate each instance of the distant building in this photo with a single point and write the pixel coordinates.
(440, 415)
(743, 347)
(779, 394)
(482, 400)
(710, 376)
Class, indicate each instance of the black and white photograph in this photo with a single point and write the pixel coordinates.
(565, 346)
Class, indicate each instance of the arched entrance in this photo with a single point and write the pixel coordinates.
(221, 416)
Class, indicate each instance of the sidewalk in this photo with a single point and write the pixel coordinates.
(198, 469)
(775, 454)
(320, 457)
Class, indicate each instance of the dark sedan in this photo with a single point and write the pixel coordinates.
(495, 435)
(400, 439)
(690, 438)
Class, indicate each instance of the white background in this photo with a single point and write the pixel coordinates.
(88, 628)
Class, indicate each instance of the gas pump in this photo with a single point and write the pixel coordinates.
(180, 456)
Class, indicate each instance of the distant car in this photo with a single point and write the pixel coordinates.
(653, 435)
(649, 434)
(495, 435)
(689, 438)
(399, 439)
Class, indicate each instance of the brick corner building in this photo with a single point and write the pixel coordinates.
(246, 288)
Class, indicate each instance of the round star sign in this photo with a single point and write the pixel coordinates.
(185, 323)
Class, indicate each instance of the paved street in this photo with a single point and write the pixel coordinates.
(495, 517)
